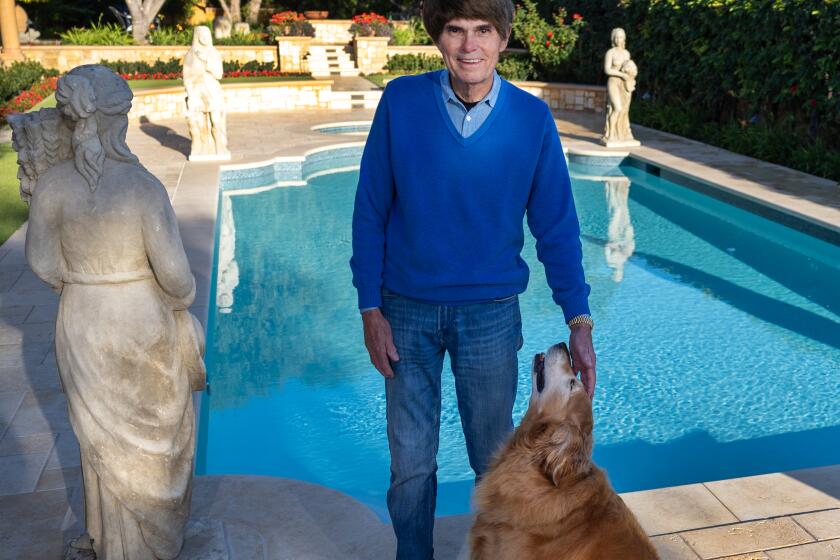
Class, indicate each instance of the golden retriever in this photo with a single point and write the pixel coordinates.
(544, 498)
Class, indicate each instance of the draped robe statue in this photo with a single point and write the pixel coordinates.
(103, 234)
(205, 98)
(621, 74)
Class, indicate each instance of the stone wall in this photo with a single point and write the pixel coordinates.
(568, 97)
(292, 53)
(371, 54)
(170, 103)
(65, 57)
(332, 31)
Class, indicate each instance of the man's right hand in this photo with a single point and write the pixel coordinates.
(380, 342)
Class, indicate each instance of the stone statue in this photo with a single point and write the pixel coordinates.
(103, 234)
(205, 98)
(621, 82)
(222, 27)
(241, 28)
(621, 239)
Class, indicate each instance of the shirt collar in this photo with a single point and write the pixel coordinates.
(449, 93)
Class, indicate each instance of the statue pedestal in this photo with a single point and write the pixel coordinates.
(210, 157)
(620, 143)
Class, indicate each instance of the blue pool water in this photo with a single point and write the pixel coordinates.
(717, 333)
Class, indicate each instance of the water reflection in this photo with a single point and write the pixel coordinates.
(620, 235)
(228, 273)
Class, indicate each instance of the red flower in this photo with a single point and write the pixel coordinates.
(550, 34)
(531, 38)
(792, 89)
(548, 43)
(576, 16)
(813, 102)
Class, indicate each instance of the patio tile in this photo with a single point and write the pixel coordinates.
(825, 479)
(45, 412)
(743, 538)
(30, 524)
(9, 404)
(43, 314)
(673, 547)
(748, 556)
(28, 282)
(37, 379)
(826, 550)
(66, 452)
(680, 508)
(8, 279)
(770, 495)
(35, 443)
(26, 334)
(53, 479)
(823, 525)
(14, 314)
(30, 355)
(20, 472)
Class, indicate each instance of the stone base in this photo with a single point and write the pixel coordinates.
(210, 157)
(620, 143)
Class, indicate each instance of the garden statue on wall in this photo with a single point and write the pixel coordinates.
(621, 82)
(103, 234)
(205, 99)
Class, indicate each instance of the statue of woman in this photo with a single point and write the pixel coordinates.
(621, 82)
(103, 234)
(205, 98)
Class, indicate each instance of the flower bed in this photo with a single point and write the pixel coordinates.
(28, 98)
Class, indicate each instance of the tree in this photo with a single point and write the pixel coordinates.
(231, 10)
(143, 12)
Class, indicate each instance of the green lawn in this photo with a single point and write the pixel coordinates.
(13, 211)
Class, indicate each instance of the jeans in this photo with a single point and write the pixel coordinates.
(482, 340)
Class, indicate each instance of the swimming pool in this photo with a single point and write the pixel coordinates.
(718, 340)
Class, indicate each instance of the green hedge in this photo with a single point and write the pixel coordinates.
(20, 76)
(176, 65)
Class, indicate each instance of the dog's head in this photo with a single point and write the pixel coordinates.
(558, 424)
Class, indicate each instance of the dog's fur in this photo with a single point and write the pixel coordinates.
(544, 499)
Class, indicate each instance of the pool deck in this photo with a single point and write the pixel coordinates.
(780, 516)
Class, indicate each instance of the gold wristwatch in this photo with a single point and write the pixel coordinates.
(581, 320)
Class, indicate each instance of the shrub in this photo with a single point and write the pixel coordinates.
(371, 25)
(515, 67)
(549, 44)
(413, 33)
(413, 63)
(402, 36)
(290, 24)
(175, 66)
(20, 76)
(97, 34)
(170, 36)
(244, 39)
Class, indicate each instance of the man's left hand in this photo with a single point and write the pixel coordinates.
(583, 356)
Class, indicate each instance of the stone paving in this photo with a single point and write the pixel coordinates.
(781, 516)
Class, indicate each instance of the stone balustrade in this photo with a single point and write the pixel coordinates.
(65, 57)
(371, 54)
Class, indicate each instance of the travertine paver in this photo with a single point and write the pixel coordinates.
(746, 537)
(673, 547)
(818, 551)
(679, 508)
(20, 472)
(757, 497)
(748, 556)
(822, 525)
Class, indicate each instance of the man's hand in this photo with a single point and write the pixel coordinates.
(380, 342)
(583, 356)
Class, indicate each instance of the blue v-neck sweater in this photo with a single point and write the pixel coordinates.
(438, 217)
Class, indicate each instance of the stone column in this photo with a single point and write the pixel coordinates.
(9, 32)
(371, 54)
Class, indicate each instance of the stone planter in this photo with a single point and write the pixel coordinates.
(371, 53)
(292, 53)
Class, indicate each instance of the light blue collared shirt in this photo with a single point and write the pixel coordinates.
(467, 122)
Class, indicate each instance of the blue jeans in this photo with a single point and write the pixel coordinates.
(482, 340)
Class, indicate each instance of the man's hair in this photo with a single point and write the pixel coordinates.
(437, 13)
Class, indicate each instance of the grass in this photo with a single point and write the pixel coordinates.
(378, 79)
(13, 211)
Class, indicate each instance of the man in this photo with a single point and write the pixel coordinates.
(453, 161)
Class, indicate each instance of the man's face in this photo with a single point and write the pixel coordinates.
(470, 48)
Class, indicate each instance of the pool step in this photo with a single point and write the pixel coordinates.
(330, 60)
